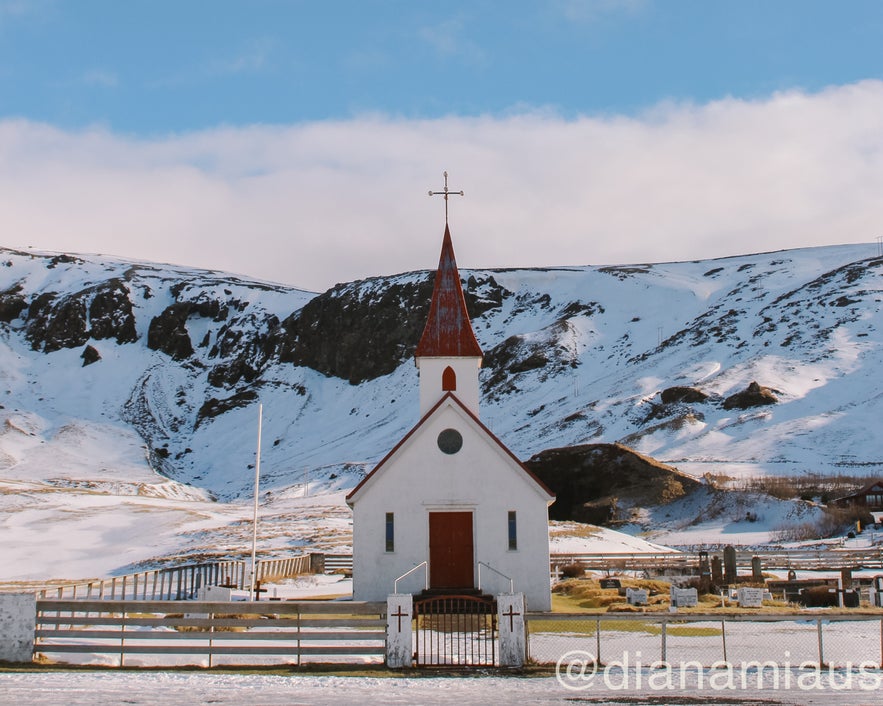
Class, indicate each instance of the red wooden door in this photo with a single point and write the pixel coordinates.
(450, 550)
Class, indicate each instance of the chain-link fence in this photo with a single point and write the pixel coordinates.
(707, 640)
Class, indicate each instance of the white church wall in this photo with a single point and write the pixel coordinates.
(482, 478)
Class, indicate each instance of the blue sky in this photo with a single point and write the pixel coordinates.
(619, 129)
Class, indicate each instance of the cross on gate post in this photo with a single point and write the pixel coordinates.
(400, 615)
(446, 193)
(511, 614)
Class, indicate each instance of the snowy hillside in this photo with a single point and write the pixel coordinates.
(137, 380)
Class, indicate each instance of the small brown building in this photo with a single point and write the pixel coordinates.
(870, 498)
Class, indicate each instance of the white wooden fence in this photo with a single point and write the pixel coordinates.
(239, 632)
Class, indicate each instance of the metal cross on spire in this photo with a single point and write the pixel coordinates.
(446, 193)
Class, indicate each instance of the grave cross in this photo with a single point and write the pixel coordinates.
(400, 615)
(511, 614)
(446, 193)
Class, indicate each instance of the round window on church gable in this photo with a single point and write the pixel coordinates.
(450, 441)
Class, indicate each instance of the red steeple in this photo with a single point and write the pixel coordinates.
(448, 330)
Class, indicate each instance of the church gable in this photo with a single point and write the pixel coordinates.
(451, 440)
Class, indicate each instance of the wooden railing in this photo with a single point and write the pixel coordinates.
(238, 631)
(170, 583)
(269, 570)
(178, 582)
(797, 559)
(338, 562)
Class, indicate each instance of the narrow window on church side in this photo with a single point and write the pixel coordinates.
(390, 532)
(449, 380)
(513, 530)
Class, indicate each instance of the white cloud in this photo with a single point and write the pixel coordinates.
(326, 202)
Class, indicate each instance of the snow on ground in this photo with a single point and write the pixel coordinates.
(576, 538)
(167, 688)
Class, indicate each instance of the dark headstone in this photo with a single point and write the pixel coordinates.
(611, 583)
(756, 568)
(730, 564)
(717, 571)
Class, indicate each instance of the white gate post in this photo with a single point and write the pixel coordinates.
(18, 623)
(510, 617)
(399, 610)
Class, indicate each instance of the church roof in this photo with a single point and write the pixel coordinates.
(542, 487)
(448, 331)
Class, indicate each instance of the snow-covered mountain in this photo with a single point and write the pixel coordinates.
(148, 377)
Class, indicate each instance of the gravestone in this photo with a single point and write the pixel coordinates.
(211, 593)
(730, 564)
(636, 596)
(717, 571)
(684, 597)
(750, 597)
(756, 568)
(611, 583)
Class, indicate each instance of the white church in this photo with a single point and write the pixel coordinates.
(450, 493)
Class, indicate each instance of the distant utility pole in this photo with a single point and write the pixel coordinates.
(257, 480)
(659, 333)
(880, 246)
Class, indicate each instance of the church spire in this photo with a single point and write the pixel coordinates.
(448, 331)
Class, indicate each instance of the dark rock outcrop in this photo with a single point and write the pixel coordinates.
(168, 332)
(676, 394)
(90, 355)
(600, 483)
(214, 407)
(12, 304)
(69, 321)
(753, 396)
(110, 313)
(56, 322)
(361, 331)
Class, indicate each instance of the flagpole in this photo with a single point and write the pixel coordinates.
(257, 479)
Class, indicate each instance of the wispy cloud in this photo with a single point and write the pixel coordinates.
(318, 203)
(252, 57)
(99, 77)
(255, 56)
(11, 10)
(448, 39)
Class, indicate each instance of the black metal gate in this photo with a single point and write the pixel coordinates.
(455, 631)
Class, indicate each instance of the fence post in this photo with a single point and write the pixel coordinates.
(664, 626)
(598, 640)
(317, 563)
(724, 637)
(122, 637)
(18, 625)
(399, 611)
(510, 616)
(821, 650)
